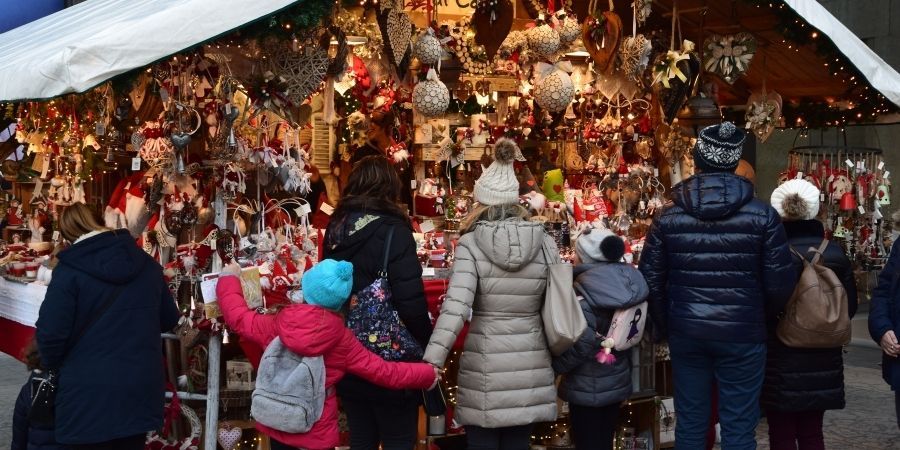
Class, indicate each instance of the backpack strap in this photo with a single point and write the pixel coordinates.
(387, 251)
(819, 252)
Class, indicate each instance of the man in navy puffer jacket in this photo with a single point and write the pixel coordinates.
(718, 265)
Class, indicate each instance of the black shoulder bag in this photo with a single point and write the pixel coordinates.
(43, 388)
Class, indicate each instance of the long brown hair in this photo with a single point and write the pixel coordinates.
(373, 184)
(77, 220)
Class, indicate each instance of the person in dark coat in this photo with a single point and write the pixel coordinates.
(357, 233)
(595, 391)
(718, 265)
(109, 360)
(884, 321)
(802, 383)
(27, 436)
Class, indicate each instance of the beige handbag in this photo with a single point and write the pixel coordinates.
(563, 320)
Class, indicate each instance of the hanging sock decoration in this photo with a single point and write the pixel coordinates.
(729, 56)
(601, 34)
(492, 21)
(553, 88)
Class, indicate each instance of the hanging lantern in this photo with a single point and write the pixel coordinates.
(848, 202)
(883, 195)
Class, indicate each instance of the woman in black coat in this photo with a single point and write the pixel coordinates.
(802, 383)
(358, 233)
(99, 329)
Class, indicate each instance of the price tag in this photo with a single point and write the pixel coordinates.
(100, 129)
(822, 198)
(327, 209)
(849, 163)
(413, 184)
(634, 137)
(655, 172)
(136, 163)
(887, 174)
(55, 236)
(861, 209)
(164, 94)
(227, 109)
(799, 175)
(427, 226)
(428, 272)
(881, 165)
(303, 209)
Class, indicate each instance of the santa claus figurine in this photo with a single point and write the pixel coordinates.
(15, 216)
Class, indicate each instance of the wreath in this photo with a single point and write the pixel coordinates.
(729, 56)
(155, 441)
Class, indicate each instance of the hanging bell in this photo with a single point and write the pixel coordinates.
(883, 195)
(848, 202)
(232, 142)
(840, 231)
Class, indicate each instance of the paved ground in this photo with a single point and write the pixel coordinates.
(868, 423)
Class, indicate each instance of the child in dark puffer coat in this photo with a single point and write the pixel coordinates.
(25, 436)
(316, 329)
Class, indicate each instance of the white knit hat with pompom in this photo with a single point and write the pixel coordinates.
(796, 200)
(498, 184)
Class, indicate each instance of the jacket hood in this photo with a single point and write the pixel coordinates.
(360, 229)
(309, 330)
(610, 285)
(509, 244)
(112, 257)
(714, 195)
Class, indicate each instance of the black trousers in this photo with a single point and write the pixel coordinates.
(126, 443)
(593, 428)
(393, 423)
(506, 438)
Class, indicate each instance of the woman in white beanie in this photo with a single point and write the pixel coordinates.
(499, 278)
(801, 384)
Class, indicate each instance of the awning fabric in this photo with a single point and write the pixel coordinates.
(880, 74)
(80, 47)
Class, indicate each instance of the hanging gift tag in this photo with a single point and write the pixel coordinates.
(164, 94)
(887, 174)
(304, 209)
(427, 226)
(862, 210)
(100, 129)
(655, 172)
(799, 175)
(327, 209)
(136, 163)
(228, 109)
(634, 137)
(849, 163)
(55, 236)
(412, 184)
(822, 197)
(428, 272)
(881, 165)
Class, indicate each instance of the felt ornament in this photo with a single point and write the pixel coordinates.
(602, 35)
(553, 89)
(763, 113)
(428, 48)
(492, 22)
(543, 39)
(729, 56)
(229, 436)
(431, 96)
(553, 184)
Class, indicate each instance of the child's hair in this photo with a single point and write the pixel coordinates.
(31, 356)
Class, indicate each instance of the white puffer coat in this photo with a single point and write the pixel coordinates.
(505, 376)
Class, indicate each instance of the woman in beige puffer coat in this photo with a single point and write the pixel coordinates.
(499, 279)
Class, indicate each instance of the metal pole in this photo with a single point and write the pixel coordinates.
(215, 349)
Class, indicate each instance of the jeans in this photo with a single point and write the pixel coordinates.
(393, 423)
(505, 438)
(593, 428)
(738, 368)
(795, 430)
(126, 443)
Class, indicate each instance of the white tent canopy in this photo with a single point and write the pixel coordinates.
(80, 47)
(880, 74)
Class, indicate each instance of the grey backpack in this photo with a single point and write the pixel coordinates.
(290, 390)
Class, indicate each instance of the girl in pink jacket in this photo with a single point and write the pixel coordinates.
(316, 329)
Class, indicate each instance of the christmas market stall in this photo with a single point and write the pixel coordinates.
(225, 132)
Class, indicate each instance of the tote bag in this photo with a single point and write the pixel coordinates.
(563, 320)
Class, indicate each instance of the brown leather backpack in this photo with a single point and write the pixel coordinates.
(816, 316)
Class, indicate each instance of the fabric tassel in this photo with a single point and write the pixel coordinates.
(605, 356)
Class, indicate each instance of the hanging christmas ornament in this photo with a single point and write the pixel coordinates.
(543, 39)
(431, 96)
(763, 113)
(397, 31)
(535, 8)
(553, 89)
(674, 76)
(568, 27)
(229, 436)
(601, 35)
(302, 71)
(729, 56)
(492, 21)
(428, 48)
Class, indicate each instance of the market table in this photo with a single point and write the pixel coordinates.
(19, 307)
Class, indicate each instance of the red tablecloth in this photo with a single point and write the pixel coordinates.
(14, 337)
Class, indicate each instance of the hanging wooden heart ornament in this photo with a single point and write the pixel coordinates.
(302, 71)
(397, 31)
(492, 21)
(601, 35)
(763, 113)
(729, 56)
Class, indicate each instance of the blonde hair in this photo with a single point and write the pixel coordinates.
(77, 220)
(492, 213)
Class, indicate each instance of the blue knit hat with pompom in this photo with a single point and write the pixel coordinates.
(328, 284)
(719, 148)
